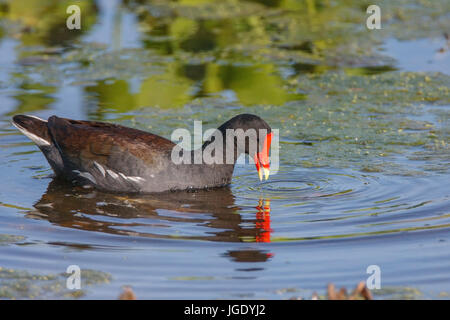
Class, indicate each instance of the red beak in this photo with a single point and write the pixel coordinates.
(262, 158)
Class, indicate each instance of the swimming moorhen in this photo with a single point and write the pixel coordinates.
(115, 158)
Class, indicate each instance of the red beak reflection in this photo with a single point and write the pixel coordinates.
(263, 221)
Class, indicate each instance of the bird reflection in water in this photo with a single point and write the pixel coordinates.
(171, 215)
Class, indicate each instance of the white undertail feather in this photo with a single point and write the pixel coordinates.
(38, 140)
(36, 118)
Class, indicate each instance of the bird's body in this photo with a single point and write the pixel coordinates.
(115, 158)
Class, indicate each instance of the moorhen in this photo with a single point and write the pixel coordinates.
(116, 158)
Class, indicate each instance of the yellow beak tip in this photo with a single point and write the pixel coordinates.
(260, 175)
(266, 173)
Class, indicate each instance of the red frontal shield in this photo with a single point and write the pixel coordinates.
(262, 158)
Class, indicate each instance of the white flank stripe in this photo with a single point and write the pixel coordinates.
(123, 176)
(100, 168)
(88, 176)
(131, 178)
(136, 179)
(112, 174)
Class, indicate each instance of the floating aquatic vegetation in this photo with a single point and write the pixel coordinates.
(399, 293)
(19, 284)
(8, 238)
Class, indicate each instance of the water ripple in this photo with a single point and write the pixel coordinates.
(310, 204)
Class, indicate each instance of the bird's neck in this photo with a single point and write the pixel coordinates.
(217, 150)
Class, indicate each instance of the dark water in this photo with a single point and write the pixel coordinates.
(364, 153)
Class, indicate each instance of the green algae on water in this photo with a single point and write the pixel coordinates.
(19, 284)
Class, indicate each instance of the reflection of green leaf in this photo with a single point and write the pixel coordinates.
(166, 91)
(47, 19)
(113, 94)
(253, 84)
(33, 97)
(175, 88)
(182, 28)
(362, 71)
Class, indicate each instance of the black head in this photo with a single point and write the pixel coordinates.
(246, 121)
(253, 136)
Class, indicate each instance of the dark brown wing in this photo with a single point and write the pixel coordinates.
(108, 154)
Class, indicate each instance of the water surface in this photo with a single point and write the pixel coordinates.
(364, 149)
